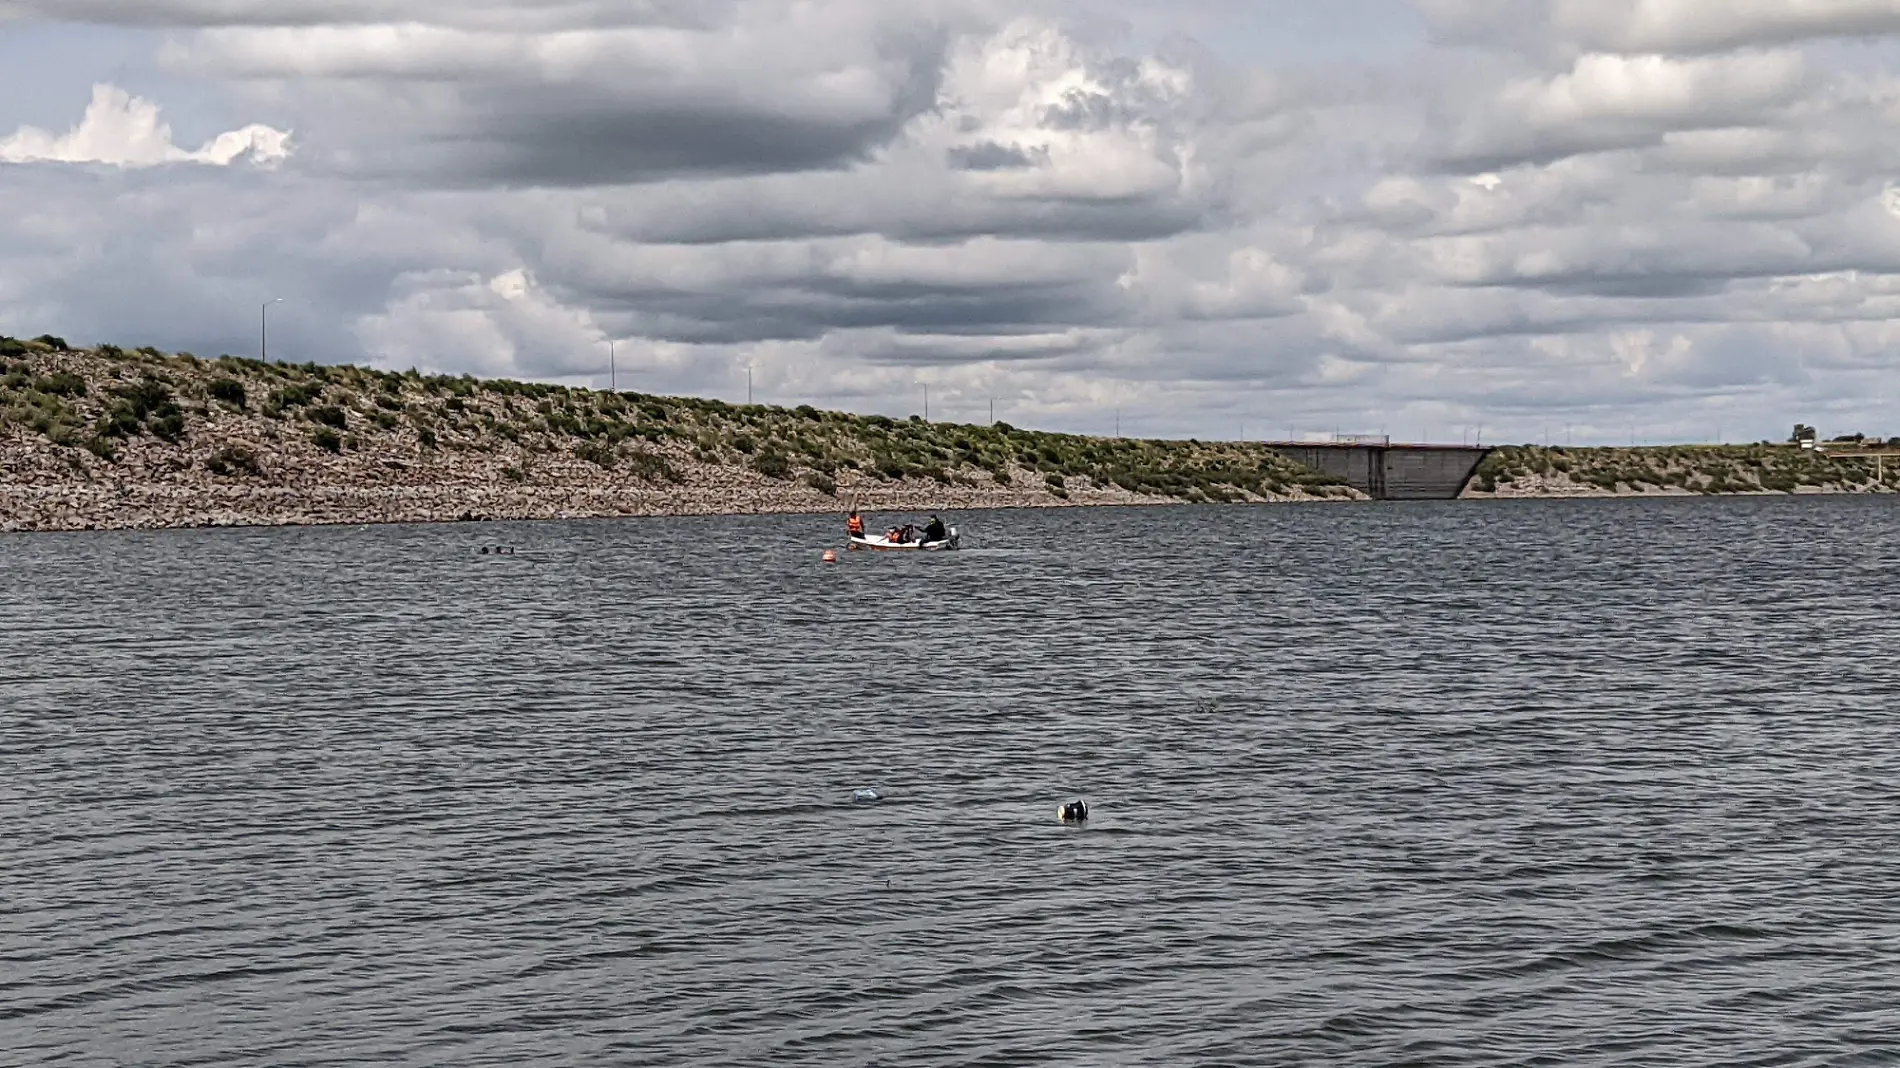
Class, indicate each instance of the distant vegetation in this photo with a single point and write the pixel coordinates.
(1695, 468)
(98, 399)
(239, 419)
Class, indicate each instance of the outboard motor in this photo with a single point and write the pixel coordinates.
(1074, 812)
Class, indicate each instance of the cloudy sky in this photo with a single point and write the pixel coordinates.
(1587, 219)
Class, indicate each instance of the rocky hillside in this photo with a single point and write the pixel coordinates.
(109, 437)
(1540, 471)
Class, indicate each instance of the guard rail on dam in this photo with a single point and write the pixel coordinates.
(1391, 472)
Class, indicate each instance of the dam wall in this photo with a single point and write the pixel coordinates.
(1391, 472)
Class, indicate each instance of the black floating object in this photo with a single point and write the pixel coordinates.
(1074, 812)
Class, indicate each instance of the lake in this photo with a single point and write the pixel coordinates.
(1460, 783)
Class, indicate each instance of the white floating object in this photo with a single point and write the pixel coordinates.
(865, 793)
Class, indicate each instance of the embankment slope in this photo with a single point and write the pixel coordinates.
(110, 438)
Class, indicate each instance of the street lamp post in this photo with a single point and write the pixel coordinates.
(263, 328)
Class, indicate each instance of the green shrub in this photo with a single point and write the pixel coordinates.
(101, 447)
(296, 396)
(772, 464)
(652, 467)
(228, 390)
(327, 439)
(54, 342)
(148, 397)
(744, 443)
(62, 384)
(426, 436)
(120, 421)
(822, 482)
(233, 460)
(167, 426)
(331, 417)
(602, 455)
(514, 474)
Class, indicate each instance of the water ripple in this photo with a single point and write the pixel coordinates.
(1578, 783)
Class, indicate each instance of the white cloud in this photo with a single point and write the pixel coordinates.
(1653, 26)
(502, 326)
(1714, 25)
(125, 131)
(1668, 213)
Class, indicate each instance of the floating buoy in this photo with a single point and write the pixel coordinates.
(865, 793)
(831, 556)
(1073, 812)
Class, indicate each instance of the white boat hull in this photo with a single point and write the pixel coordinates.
(881, 544)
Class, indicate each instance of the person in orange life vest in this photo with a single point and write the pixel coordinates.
(854, 526)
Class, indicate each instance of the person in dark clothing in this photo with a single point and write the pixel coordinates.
(934, 530)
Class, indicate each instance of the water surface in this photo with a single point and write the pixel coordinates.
(1452, 784)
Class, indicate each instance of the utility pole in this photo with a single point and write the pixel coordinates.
(992, 411)
(263, 329)
(1118, 422)
(926, 386)
(613, 372)
(748, 385)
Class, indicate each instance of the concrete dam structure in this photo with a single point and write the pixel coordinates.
(1388, 472)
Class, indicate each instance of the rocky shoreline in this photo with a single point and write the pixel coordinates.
(161, 499)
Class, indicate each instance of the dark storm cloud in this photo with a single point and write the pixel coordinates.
(990, 156)
(808, 308)
(472, 13)
(478, 108)
(552, 143)
(900, 214)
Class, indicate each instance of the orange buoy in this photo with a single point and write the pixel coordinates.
(831, 556)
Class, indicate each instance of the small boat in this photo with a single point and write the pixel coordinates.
(880, 543)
